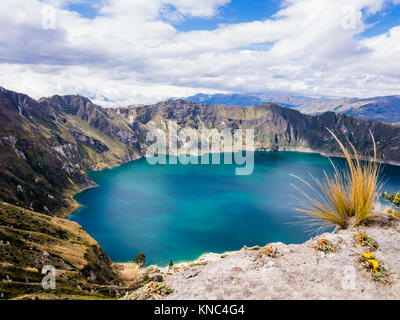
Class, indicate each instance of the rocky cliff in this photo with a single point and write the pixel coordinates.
(276, 128)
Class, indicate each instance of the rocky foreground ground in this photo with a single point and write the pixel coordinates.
(330, 266)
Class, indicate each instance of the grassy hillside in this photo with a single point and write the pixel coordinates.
(30, 240)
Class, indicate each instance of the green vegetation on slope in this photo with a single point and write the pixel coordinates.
(30, 240)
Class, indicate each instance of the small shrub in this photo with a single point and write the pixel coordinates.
(145, 278)
(324, 246)
(140, 259)
(270, 252)
(393, 198)
(366, 241)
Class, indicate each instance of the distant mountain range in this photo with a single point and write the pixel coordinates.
(386, 109)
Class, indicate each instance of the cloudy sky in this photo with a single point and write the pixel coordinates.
(121, 52)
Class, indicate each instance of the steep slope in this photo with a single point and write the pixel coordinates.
(46, 148)
(30, 240)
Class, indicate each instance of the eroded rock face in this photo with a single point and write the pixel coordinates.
(298, 271)
(98, 145)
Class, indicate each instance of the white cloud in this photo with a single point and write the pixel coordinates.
(130, 55)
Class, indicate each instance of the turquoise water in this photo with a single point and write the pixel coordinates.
(182, 211)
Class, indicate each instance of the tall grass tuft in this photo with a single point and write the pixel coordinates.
(347, 197)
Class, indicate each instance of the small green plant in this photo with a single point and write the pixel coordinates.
(144, 279)
(140, 259)
(366, 241)
(395, 199)
(324, 246)
(376, 270)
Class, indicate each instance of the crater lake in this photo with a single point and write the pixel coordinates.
(181, 211)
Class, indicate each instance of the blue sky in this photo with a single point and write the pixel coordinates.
(383, 21)
(88, 8)
(235, 12)
(124, 52)
(238, 11)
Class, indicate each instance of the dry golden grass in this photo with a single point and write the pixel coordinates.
(348, 196)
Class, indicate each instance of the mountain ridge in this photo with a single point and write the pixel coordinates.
(381, 108)
(47, 146)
